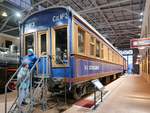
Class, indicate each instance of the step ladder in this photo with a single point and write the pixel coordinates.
(37, 90)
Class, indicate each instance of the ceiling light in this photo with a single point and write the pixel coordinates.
(140, 26)
(141, 20)
(141, 13)
(18, 14)
(4, 14)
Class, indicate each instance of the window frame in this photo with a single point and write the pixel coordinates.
(81, 29)
(53, 42)
(39, 41)
(24, 40)
(92, 43)
(96, 48)
(102, 50)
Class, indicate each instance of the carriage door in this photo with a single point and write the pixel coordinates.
(43, 51)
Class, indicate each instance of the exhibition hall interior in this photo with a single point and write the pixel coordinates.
(71, 56)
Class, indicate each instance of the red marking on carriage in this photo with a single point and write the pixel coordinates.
(12, 69)
(85, 103)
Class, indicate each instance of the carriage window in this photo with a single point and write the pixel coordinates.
(61, 46)
(92, 46)
(29, 42)
(112, 56)
(97, 48)
(80, 41)
(43, 43)
(102, 50)
(108, 53)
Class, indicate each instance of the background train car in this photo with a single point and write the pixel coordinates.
(79, 53)
(125, 65)
(9, 61)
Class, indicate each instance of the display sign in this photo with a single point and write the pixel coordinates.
(98, 84)
(142, 42)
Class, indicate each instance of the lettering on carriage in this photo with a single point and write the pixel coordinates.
(92, 68)
(30, 27)
(60, 17)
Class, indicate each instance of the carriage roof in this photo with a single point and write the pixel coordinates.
(75, 14)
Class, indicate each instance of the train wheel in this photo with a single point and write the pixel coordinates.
(79, 91)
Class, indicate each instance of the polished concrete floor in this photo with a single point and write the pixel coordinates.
(128, 94)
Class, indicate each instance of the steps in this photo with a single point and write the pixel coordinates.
(37, 91)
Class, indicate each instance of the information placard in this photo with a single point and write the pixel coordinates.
(142, 42)
(98, 84)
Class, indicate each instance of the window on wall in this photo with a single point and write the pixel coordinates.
(108, 53)
(8, 43)
(61, 46)
(29, 42)
(43, 43)
(92, 45)
(112, 56)
(81, 41)
(102, 50)
(97, 48)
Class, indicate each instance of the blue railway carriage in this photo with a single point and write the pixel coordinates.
(78, 52)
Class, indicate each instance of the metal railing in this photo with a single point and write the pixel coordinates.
(30, 75)
(7, 84)
(42, 82)
(30, 79)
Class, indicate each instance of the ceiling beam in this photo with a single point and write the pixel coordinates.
(118, 22)
(9, 36)
(11, 29)
(125, 8)
(102, 6)
(105, 18)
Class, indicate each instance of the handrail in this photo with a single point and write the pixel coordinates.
(13, 76)
(38, 86)
(30, 74)
(7, 86)
(13, 104)
(37, 61)
(11, 80)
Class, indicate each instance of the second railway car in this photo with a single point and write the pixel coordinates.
(78, 52)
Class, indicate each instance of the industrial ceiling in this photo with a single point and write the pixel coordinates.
(117, 20)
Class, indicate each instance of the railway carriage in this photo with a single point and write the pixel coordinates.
(77, 51)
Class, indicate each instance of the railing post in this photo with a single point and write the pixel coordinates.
(6, 86)
(6, 98)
